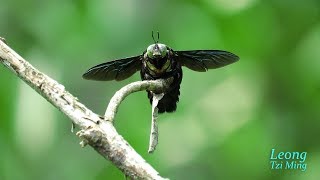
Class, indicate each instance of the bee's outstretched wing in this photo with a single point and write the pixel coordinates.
(114, 70)
(202, 60)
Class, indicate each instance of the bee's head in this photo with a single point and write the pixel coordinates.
(157, 51)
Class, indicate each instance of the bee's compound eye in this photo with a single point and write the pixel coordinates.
(163, 49)
(150, 50)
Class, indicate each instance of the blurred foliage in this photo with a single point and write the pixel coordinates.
(228, 119)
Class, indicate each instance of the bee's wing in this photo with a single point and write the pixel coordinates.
(202, 60)
(114, 70)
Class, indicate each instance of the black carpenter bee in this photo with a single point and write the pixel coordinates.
(160, 61)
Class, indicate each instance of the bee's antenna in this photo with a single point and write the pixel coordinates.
(154, 39)
(158, 36)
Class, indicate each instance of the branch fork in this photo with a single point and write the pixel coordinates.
(95, 131)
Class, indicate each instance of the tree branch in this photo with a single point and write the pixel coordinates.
(153, 142)
(95, 131)
(158, 86)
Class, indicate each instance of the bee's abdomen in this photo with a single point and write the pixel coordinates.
(170, 99)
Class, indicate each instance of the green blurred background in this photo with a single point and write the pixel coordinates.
(228, 119)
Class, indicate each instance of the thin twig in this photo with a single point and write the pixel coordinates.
(154, 134)
(99, 134)
(158, 86)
